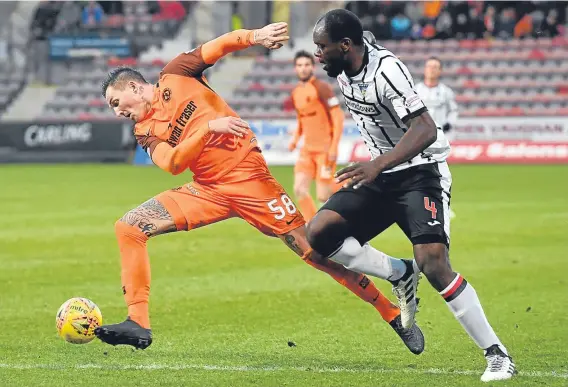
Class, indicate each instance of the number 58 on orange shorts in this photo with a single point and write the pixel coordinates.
(249, 192)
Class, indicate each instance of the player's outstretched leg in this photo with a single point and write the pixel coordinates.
(329, 234)
(360, 285)
(462, 300)
(133, 231)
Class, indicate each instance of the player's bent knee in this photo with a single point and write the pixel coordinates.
(301, 193)
(123, 229)
(432, 259)
(326, 232)
(301, 190)
(323, 194)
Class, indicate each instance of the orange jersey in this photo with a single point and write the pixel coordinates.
(184, 103)
(320, 119)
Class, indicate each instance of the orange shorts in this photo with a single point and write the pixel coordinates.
(249, 192)
(315, 165)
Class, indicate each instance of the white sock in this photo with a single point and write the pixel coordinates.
(464, 304)
(368, 260)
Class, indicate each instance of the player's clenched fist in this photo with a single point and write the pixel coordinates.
(229, 125)
(272, 36)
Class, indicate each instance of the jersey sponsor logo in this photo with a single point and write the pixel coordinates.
(363, 88)
(412, 100)
(181, 123)
(175, 135)
(361, 107)
(167, 95)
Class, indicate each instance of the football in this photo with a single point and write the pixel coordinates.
(77, 319)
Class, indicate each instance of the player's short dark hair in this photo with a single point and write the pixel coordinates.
(341, 23)
(304, 54)
(436, 59)
(120, 75)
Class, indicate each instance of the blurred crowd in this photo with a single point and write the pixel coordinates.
(461, 19)
(67, 16)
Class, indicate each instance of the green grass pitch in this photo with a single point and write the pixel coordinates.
(226, 300)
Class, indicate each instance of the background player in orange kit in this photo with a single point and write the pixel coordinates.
(320, 123)
(178, 124)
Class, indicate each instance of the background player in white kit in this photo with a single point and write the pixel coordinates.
(439, 99)
(407, 182)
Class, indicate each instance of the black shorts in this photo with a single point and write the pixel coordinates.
(417, 199)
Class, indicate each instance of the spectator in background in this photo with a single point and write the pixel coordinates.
(505, 27)
(524, 27)
(44, 19)
(92, 14)
(489, 21)
(432, 10)
(69, 17)
(171, 10)
(461, 26)
(429, 31)
(381, 27)
(444, 26)
(400, 27)
(414, 10)
(416, 33)
(549, 27)
(476, 24)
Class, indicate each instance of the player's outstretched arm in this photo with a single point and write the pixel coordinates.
(177, 159)
(271, 36)
(193, 63)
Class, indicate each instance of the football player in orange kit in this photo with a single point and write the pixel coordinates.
(178, 123)
(320, 123)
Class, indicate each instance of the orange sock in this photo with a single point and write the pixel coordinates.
(135, 272)
(308, 207)
(359, 284)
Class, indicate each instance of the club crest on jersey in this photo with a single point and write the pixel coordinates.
(167, 95)
(363, 87)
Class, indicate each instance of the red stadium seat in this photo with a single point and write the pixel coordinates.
(85, 116)
(97, 103)
(158, 63)
(115, 62)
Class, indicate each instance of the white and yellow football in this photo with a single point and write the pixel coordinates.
(77, 319)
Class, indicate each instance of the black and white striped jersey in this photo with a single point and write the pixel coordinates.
(441, 103)
(380, 98)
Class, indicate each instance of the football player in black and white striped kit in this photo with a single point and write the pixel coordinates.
(407, 182)
(439, 99)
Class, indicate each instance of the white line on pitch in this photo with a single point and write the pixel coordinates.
(206, 367)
